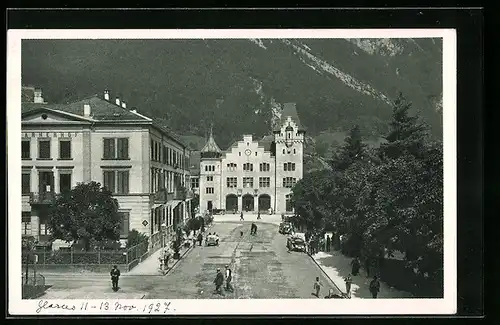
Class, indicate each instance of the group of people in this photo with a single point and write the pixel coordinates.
(374, 286)
(219, 281)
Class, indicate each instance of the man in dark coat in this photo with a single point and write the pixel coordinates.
(241, 216)
(219, 281)
(328, 243)
(375, 287)
(200, 238)
(115, 276)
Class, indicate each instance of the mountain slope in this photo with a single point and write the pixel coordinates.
(238, 84)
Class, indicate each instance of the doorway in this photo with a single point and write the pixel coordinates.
(248, 202)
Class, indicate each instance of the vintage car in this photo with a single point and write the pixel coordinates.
(212, 240)
(295, 243)
(285, 228)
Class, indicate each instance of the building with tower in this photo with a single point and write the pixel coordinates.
(254, 175)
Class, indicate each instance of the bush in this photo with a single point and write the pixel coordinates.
(135, 238)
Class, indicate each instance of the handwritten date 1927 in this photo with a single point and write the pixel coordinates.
(149, 307)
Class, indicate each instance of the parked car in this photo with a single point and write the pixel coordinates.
(285, 228)
(294, 243)
(218, 211)
(212, 240)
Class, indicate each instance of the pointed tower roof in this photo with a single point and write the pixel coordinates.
(289, 110)
(211, 149)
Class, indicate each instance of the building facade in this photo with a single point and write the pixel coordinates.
(254, 175)
(98, 139)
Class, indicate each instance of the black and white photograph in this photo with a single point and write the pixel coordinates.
(179, 171)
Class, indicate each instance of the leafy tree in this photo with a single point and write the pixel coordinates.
(135, 238)
(352, 150)
(87, 213)
(407, 134)
(195, 203)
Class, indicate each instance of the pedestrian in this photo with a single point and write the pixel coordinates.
(229, 278)
(317, 287)
(219, 281)
(115, 276)
(355, 266)
(375, 287)
(241, 216)
(241, 233)
(258, 215)
(200, 238)
(348, 282)
(166, 257)
(328, 243)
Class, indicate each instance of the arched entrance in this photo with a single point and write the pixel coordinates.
(264, 202)
(231, 203)
(248, 202)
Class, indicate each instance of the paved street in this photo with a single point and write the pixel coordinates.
(262, 268)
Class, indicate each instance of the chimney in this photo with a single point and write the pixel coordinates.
(118, 101)
(124, 105)
(86, 110)
(37, 98)
(106, 94)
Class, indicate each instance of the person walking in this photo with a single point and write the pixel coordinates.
(356, 264)
(258, 215)
(200, 238)
(328, 243)
(115, 276)
(219, 281)
(375, 287)
(348, 282)
(317, 287)
(241, 216)
(229, 278)
(166, 257)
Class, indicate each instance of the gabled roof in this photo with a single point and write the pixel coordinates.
(289, 110)
(164, 128)
(266, 142)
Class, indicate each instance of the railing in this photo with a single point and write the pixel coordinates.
(162, 196)
(42, 197)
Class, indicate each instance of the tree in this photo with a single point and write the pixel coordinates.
(353, 149)
(407, 134)
(87, 213)
(135, 238)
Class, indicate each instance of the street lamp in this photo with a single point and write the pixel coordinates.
(163, 227)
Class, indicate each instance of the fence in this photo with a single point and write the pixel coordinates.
(60, 258)
(33, 286)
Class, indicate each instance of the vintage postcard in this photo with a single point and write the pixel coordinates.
(154, 168)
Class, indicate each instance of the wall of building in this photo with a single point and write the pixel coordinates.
(205, 197)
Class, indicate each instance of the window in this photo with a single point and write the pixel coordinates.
(283, 151)
(239, 153)
(44, 149)
(25, 183)
(232, 182)
(25, 149)
(289, 182)
(195, 182)
(210, 178)
(122, 185)
(64, 182)
(264, 182)
(294, 151)
(209, 168)
(109, 180)
(116, 148)
(209, 190)
(44, 229)
(125, 224)
(289, 166)
(26, 223)
(64, 149)
(248, 167)
(256, 154)
(231, 167)
(122, 148)
(288, 203)
(247, 181)
(264, 167)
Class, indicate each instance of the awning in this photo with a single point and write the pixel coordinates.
(173, 203)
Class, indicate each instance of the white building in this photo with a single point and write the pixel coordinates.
(253, 175)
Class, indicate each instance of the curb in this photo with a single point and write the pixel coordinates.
(327, 276)
(182, 255)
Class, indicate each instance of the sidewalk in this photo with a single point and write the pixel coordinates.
(338, 266)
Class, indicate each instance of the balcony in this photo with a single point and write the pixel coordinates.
(162, 196)
(42, 198)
